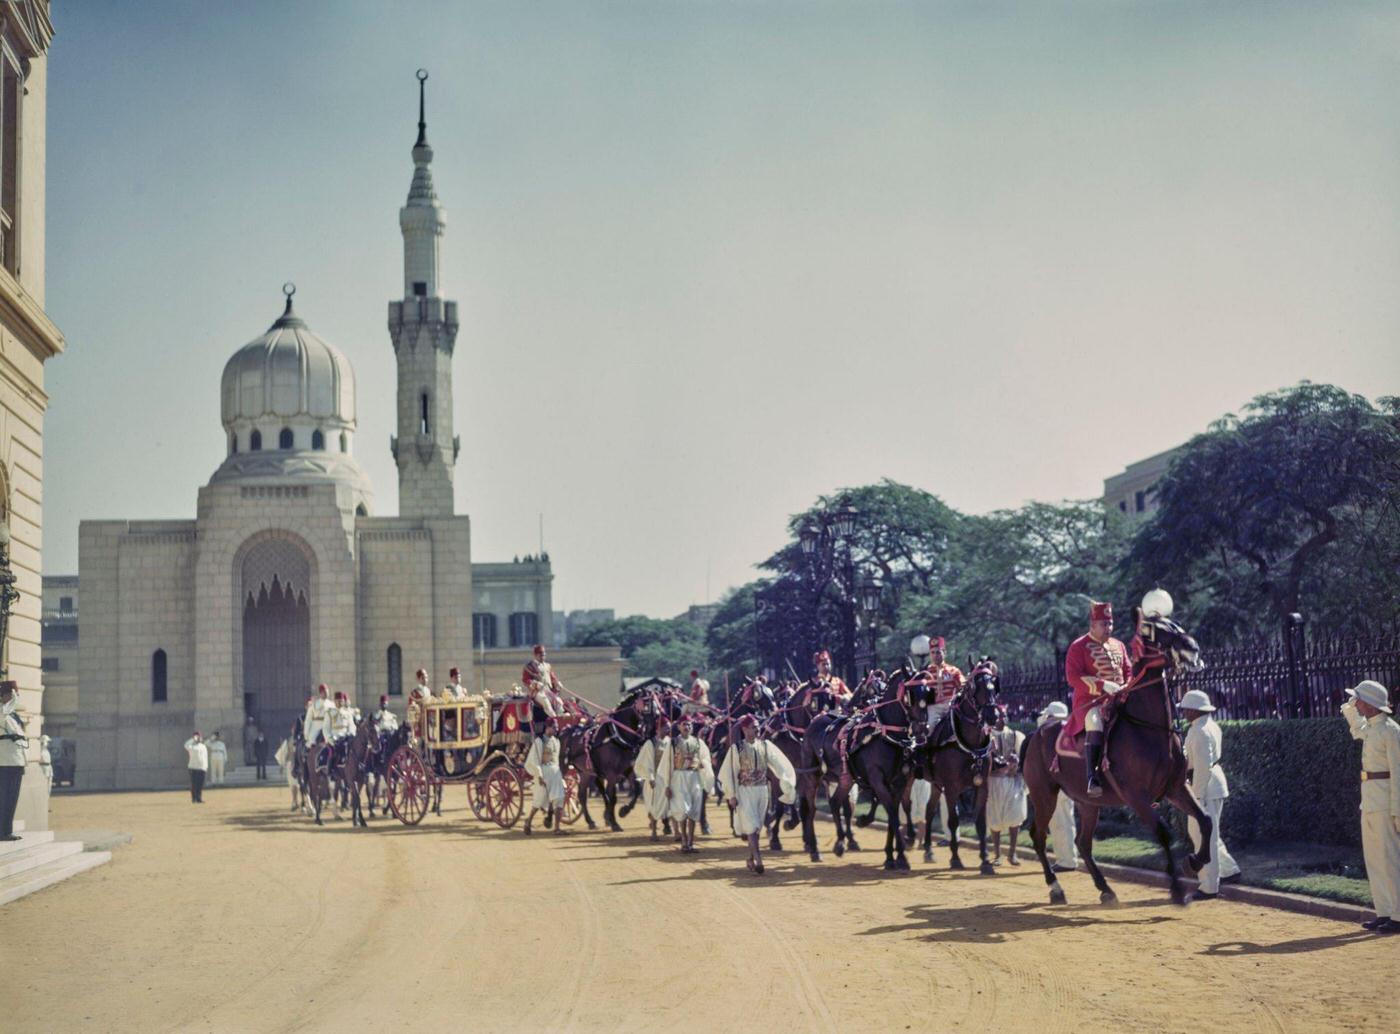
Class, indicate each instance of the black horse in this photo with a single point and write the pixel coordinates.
(787, 730)
(871, 748)
(605, 748)
(954, 759)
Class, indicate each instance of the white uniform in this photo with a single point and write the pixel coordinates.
(543, 765)
(744, 778)
(317, 721)
(456, 690)
(385, 720)
(1210, 787)
(1062, 826)
(686, 766)
(46, 760)
(645, 769)
(1380, 806)
(14, 743)
(342, 721)
(1006, 790)
(218, 758)
(549, 703)
(199, 755)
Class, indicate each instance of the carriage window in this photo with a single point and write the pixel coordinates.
(395, 673)
(318, 440)
(483, 630)
(158, 677)
(524, 628)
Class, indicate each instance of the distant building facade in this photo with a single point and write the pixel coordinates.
(1134, 491)
(568, 627)
(28, 339)
(60, 654)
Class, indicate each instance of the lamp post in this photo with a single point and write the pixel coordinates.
(9, 595)
(826, 544)
(870, 606)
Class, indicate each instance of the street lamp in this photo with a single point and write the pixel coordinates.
(870, 604)
(9, 595)
(825, 541)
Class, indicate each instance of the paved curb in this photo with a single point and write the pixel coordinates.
(1261, 896)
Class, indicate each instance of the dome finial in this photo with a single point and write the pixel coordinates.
(422, 74)
(288, 289)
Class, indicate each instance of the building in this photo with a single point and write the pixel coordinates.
(568, 627)
(60, 654)
(285, 578)
(28, 339)
(1133, 492)
(700, 614)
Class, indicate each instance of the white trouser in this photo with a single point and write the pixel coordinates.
(1093, 719)
(1062, 832)
(919, 795)
(1215, 868)
(216, 770)
(1380, 845)
(937, 711)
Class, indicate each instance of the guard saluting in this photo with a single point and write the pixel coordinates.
(1368, 713)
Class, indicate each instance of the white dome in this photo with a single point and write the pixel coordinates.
(289, 372)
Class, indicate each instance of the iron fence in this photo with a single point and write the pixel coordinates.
(1270, 679)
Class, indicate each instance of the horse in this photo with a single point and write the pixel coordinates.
(871, 748)
(786, 730)
(960, 762)
(1143, 762)
(605, 749)
(361, 755)
(315, 781)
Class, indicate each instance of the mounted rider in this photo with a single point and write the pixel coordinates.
(385, 721)
(1096, 667)
(544, 688)
(316, 722)
(944, 680)
(342, 725)
(825, 682)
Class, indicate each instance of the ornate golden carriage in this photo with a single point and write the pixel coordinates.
(481, 742)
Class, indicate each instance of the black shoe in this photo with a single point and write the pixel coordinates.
(1057, 867)
(10, 836)
(1202, 895)
(1231, 879)
(1093, 754)
(1371, 924)
(1386, 925)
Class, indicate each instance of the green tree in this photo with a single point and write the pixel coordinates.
(652, 646)
(1252, 512)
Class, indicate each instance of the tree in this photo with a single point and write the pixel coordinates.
(1251, 511)
(652, 646)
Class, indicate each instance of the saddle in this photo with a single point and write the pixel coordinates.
(1067, 746)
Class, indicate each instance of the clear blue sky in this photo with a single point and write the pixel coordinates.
(715, 259)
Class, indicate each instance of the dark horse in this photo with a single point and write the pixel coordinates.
(787, 730)
(605, 748)
(870, 748)
(361, 757)
(1143, 762)
(956, 759)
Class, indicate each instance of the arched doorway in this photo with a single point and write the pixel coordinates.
(276, 580)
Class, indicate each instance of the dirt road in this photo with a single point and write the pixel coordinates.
(239, 916)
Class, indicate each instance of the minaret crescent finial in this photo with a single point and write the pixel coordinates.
(422, 74)
(288, 289)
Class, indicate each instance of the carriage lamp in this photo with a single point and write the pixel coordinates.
(9, 595)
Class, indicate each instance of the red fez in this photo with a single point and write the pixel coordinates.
(1100, 611)
(821, 656)
(694, 674)
(383, 699)
(340, 695)
(937, 642)
(539, 649)
(454, 672)
(748, 722)
(323, 688)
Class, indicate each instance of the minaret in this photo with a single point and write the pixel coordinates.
(424, 331)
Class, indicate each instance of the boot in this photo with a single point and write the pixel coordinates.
(1093, 755)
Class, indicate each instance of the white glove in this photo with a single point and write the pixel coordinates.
(1111, 687)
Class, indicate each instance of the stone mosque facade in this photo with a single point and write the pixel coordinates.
(285, 578)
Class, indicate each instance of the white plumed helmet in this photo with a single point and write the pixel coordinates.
(919, 646)
(1157, 604)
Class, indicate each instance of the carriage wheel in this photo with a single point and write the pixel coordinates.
(573, 807)
(505, 796)
(408, 786)
(476, 798)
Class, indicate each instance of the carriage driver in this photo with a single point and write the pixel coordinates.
(455, 689)
(1096, 667)
(544, 687)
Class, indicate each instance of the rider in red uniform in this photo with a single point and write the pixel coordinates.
(1096, 667)
(825, 680)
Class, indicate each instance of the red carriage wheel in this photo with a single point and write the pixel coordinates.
(408, 785)
(476, 798)
(505, 796)
(573, 807)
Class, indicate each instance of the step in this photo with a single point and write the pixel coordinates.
(17, 886)
(39, 854)
(26, 840)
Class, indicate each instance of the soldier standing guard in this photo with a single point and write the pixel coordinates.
(744, 778)
(547, 791)
(1367, 712)
(1096, 667)
(13, 743)
(1210, 788)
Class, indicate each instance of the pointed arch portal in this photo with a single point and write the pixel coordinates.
(276, 579)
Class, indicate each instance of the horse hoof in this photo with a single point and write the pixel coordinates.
(928, 856)
(1057, 894)
(1107, 897)
(319, 822)
(910, 833)
(790, 825)
(956, 863)
(902, 864)
(816, 856)
(593, 826)
(1178, 896)
(987, 869)
(889, 864)
(775, 848)
(840, 849)
(851, 843)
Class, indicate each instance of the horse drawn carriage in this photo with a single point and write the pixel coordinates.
(480, 742)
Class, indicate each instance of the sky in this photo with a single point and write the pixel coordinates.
(716, 259)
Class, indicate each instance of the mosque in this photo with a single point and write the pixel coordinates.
(285, 578)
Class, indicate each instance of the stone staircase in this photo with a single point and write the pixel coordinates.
(36, 860)
(247, 775)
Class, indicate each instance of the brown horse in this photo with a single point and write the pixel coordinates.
(1143, 762)
(960, 763)
(315, 781)
(360, 756)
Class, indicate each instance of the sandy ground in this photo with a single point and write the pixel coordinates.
(239, 916)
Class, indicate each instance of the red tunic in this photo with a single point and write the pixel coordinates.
(946, 680)
(532, 673)
(1088, 665)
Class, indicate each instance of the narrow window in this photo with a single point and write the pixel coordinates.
(420, 289)
(49, 664)
(232, 444)
(11, 92)
(344, 442)
(255, 441)
(484, 631)
(158, 677)
(318, 440)
(524, 628)
(65, 604)
(395, 673)
(1140, 501)
(284, 439)
(423, 426)
(1123, 505)
(360, 511)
